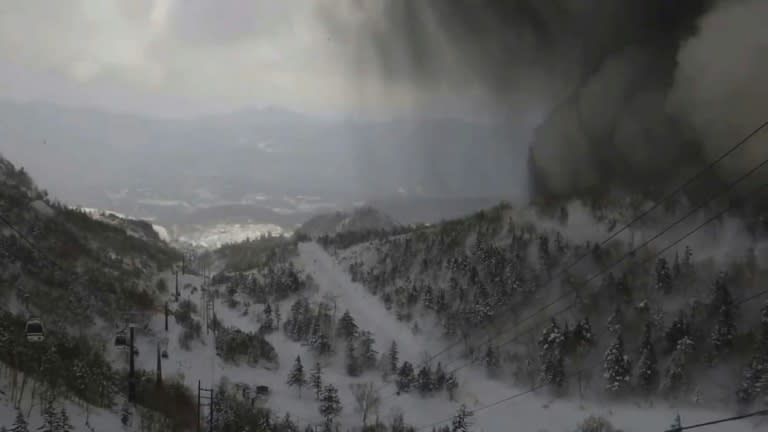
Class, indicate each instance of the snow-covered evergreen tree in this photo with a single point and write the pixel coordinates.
(269, 322)
(64, 424)
(347, 326)
(451, 384)
(551, 351)
(679, 329)
(581, 337)
(676, 425)
(297, 377)
(368, 353)
(393, 357)
(278, 316)
(676, 377)
(424, 381)
(616, 321)
(648, 373)
(330, 404)
(50, 419)
(316, 380)
(352, 360)
(617, 367)
(755, 381)
(405, 377)
(491, 358)
(663, 276)
(439, 377)
(462, 420)
(20, 424)
(725, 329)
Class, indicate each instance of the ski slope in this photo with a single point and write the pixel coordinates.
(533, 412)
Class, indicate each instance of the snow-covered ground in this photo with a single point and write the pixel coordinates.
(532, 412)
(98, 419)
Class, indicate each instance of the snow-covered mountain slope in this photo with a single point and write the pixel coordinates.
(360, 219)
(332, 285)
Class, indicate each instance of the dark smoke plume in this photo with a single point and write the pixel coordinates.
(639, 93)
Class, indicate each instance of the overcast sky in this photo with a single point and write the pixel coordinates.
(171, 57)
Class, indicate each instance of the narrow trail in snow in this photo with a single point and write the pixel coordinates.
(368, 311)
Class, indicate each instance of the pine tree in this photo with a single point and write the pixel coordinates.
(278, 316)
(439, 377)
(297, 377)
(125, 414)
(424, 382)
(462, 420)
(405, 377)
(63, 421)
(20, 424)
(663, 276)
(616, 321)
(319, 342)
(676, 425)
(552, 344)
(330, 405)
(428, 298)
(50, 419)
(353, 363)
(451, 384)
(679, 329)
(269, 323)
(648, 373)
(347, 326)
(755, 380)
(491, 358)
(393, 356)
(316, 380)
(675, 377)
(725, 329)
(582, 338)
(368, 354)
(617, 367)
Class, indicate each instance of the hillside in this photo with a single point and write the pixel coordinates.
(360, 219)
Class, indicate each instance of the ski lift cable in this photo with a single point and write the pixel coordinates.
(574, 303)
(628, 255)
(718, 421)
(620, 260)
(544, 385)
(636, 219)
(589, 367)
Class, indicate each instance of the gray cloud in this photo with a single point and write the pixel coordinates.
(637, 94)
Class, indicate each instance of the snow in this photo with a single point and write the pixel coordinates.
(531, 412)
(99, 419)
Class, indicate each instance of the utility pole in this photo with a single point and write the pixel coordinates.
(166, 316)
(200, 397)
(177, 285)
(159, 366)
(131, 371)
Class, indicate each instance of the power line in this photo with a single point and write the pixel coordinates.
(661, 201)
(543, 385)
(632, 252)
(722, 420)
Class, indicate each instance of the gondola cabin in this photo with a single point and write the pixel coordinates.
(121, 340)
(35, 331)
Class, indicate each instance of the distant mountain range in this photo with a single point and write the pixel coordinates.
(115, 161)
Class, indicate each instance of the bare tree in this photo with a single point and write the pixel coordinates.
(367, 399)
